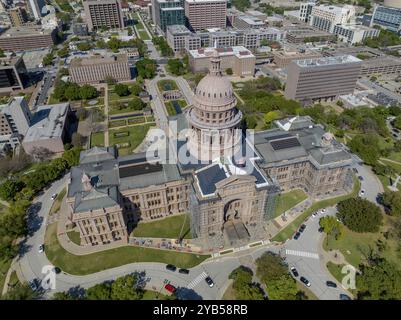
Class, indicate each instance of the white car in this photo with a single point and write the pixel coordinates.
(41, 248)
(314, 215)
(54, 196)
(323, 211)
(362, 193)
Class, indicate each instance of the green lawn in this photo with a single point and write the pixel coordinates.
(167, 85)
(57, 202)
(335, 270)
(395, 166)
(95, 262)
(288, 231)
(74, 237)
(166, 228)
(135, 137)
(170, 108)
(152, 295)
(4, 266)
(288, 200)
(13, 279)
(97, 139)
(143, 34)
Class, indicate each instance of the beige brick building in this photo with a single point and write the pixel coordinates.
(25, 38)
(97, 69)
(103, 13)
(205, 14)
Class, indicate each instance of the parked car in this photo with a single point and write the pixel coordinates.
(183, 271)
(294, 271)
(57, 270)
(209, 281)
(171, 267)
(305, 281)
(331, 284)
(344, 297)
(34, 284)
(41, 248)
(170, 288)
(314, 215)
(321, 229)
(360, 178)
(302, 228)
(54, 196)
(323, 211)
(297, 235)
(362, 193)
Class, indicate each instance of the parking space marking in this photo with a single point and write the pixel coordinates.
(302, 254)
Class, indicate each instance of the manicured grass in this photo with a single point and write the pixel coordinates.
(166, 228)
(395, 166)
(13, 279)
(143, 34)
(4, 266)
(135, 137)
(335, 270)
(57, 202)
(288, 231)
(97, 139)
(95, 262)
(170, 109)
(74, 237)
(152, 295)
(288, 200)
(167, 85)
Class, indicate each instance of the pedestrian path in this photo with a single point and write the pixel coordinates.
(197, 280)
(302, 254)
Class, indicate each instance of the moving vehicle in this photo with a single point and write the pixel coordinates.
(294, 271)
(171, 267)
(183, 271)
(344, 297)
(209, 281)
(305, 281)
(41, 248)
(331, 284)
(302, 228)
(170, 288)
(297, 235)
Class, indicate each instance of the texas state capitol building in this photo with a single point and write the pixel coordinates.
(230, 185)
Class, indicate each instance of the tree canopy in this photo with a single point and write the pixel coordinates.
(360, 215)
(391, 200)
(244, 288)
(146, 68)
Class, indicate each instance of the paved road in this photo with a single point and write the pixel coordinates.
(370, 183)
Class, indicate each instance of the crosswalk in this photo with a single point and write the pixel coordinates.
(197, 280)
(302, 254)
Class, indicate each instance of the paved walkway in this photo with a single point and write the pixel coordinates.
(106, 114)
(8, 276)
(4, 203)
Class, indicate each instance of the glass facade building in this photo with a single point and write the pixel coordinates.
(389, 18)
(168, 13)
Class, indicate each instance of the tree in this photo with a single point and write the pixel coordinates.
(63, 52)
(176, 67)
(129, 29)
(331, 227)
(243, 286)
(146, 68)
(122, 89)
(101, 44)
(359, 215)
(367, 147)
(229, 71)
(9, 189)
(72, 92)
(48, 59)
(2, 55)
(135, 89)
(283, 288)
(391, 200)
(87, 92)
(270, 266)
(124, 288)
(136, 104)
(100, 291)
(380, 281)
(63, 296)
(84, 46)
(21, 292)
(114, 44)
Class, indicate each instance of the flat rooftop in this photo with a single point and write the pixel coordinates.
(238, 51)
(16, 32)
(332, 8)
(178, 29)
(327, 61)
(9, 61)
(95, 60)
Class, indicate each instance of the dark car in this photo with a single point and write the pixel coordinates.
(360, 178)
(171, 267)
(209, 281)
(170, 288)
(297, 235)
(344, 297)
(305, 281)
(294, 272)
(321, 229)
(302, 228)
(183, 271)
(331, 284)
(57, 270)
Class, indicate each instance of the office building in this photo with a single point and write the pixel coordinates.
(49, 129)
(96, 69)
(354, 34)
(15, 117)
(205, 14)
(25, 38)
(284, 57)
(239, 59)
(248, 22)
(305, 10)
(36, 7)
(325, 17)
(18, 16)
(318, 79)
(167, 13)
(306, 34)
(13, 74)
(103, 13)
(393, 3)
(387, 17)
(383, 65)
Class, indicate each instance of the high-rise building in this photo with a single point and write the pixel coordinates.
(322, 78)
(13, 74)
(18, 16)
(325, 17)
(15, 117)
(25, 38)
(387, 17)
(353, 34)
(167, 13)
(103, 13)
(205, 14)
(305, 10)
(98, 69)
(36, 7)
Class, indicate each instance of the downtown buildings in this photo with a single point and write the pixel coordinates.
(167, 12)
(205, 14)
(103, 14)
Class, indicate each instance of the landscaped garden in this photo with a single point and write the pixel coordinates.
(97, 139)
(171, 228)
(167, 85)
(95, 262)
(129, 138)
(288, 200)
(140, 28)
(175, 107)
